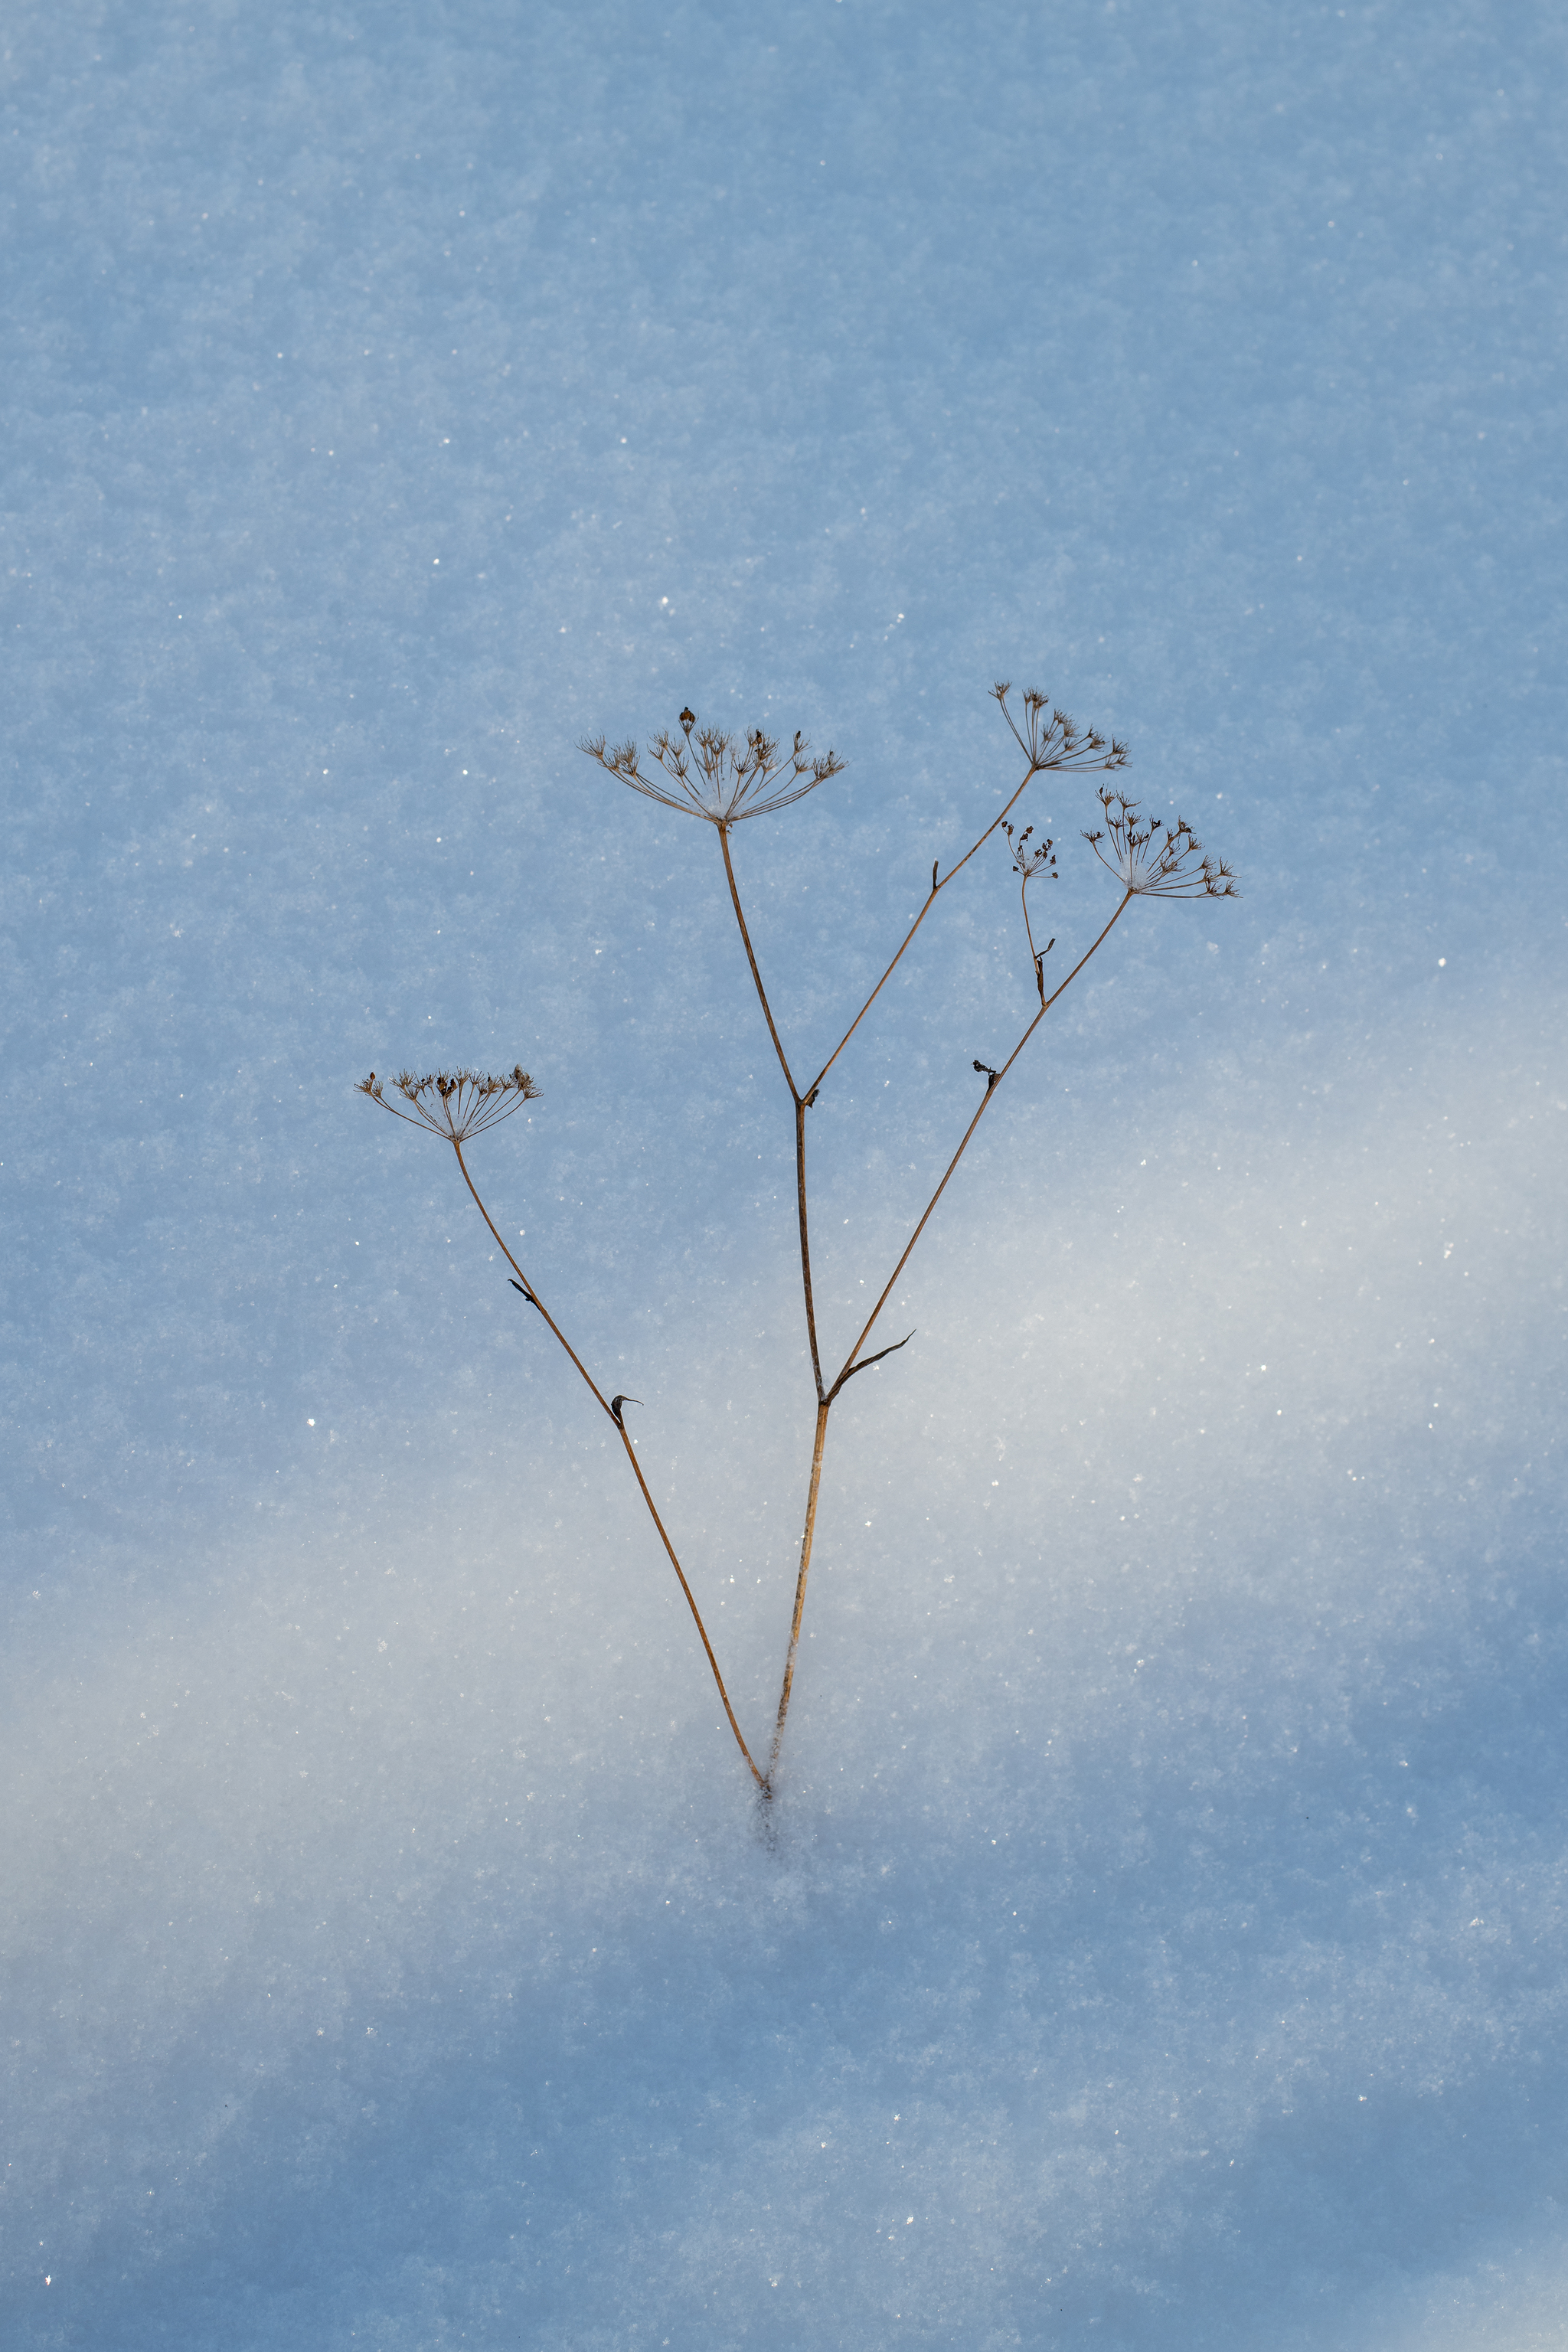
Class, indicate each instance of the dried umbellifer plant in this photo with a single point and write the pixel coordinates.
(724, 780)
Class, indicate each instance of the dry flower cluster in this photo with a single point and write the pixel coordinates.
(724, 779)
(455, 1103)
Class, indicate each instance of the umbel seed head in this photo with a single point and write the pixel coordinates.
(713, 775)
(456, 1104)
(1041, 859)
(1153, 859)
(1049, 738)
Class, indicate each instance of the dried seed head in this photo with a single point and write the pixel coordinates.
(456, 1104)
(717, 776)
(1053, 741)
(1153, 859)
(1029, 862)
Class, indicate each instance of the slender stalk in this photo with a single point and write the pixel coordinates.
(850, 1367)
(826, 1397)
(723, 831)
(806, 1242)
(625, 1436)
(528, 1288)
(992, 1085)
(806, 1542)
(801, 1105)
(691, 1605)
(1040, 961)
(936, 890)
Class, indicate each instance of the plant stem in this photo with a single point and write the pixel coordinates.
(690, 1603)
(801, 1105)
(625, 1436)
(599, 1397)
(813, 1491)
(1038, 960)
(750, 959)
(850, 1367)
(806, 1242)
(936, 890)
(826, 1397)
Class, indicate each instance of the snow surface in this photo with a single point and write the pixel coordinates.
(1162, 1939)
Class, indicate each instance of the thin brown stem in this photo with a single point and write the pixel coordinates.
(801, 1105)
(532, 1295)
(1040, 961)
(690, 1603)
(806, 1242)
(529, 1289)
(992, 1085)
(936, 890)
(751, 957)
(806, 1542)
(850, 1367)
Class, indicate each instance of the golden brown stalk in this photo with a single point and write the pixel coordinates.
(826, 1400)
(456, 1105)
(1144, 866)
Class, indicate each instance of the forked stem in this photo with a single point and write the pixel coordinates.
(801, 1105)
(851, 1365)
(936, 890)
(853, 1362)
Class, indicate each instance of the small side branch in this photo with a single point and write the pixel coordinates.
(865, 1363)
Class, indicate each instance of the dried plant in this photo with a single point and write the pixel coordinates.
(455, 1103)
(1031, 863)
(724, 780)
(1148, 868)
(715, 775)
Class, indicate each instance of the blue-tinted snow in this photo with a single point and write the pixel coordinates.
(1163, 1940)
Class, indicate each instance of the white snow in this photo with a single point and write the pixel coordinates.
(1160, 1941)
